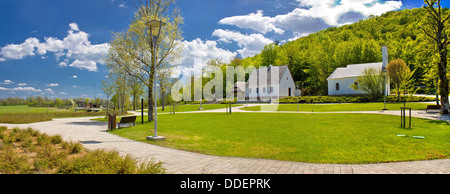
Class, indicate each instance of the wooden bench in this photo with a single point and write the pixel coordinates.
(131, 119)
(433, 107)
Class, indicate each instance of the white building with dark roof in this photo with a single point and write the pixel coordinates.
(268, 83)
(340, 80)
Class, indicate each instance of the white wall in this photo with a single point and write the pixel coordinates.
(344, 87)
(279, 90)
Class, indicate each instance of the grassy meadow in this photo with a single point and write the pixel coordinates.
(313, 138)
(192, 107)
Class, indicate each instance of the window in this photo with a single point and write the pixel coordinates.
(271, 89)
(337, 86)
(257, 90)
(356, 84)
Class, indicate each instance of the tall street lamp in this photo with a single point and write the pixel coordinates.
(153, 24)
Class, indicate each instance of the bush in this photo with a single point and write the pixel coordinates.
(350, 99)
(28, 151)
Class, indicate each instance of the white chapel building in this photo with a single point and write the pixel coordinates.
(340, 80)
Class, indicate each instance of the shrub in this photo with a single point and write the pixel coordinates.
(57, 139)
(351, 99)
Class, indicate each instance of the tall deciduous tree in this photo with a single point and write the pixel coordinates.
(132, 51)
(108, 89)
(400, 75)
(435, 27)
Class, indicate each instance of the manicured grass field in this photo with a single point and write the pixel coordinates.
(339, 107)
(189, 107)
(314, 138)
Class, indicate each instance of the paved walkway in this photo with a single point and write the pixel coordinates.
(93, 135)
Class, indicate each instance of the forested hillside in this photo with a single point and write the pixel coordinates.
(313, 58)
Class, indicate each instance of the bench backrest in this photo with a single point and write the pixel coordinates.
(128, 119)
(433, 107)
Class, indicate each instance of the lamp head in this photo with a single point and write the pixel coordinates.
(155, 24)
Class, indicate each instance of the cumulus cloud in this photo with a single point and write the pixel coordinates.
(312, 15)
(205, 50)
(89, 65)
(21, 89)
(250, 44)
(21, 84)
(7, 82)
(75, 46)
(75, 76)
(49, 91)
(256, 21)
(52, 85)
(200, 52)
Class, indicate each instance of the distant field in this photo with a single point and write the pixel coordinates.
(25, 114)
(341, 107)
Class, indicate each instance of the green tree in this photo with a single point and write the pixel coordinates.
(133, 51)
(59, 102)
(108, 90)
(400, 75)
(435, 27)
(371, 83)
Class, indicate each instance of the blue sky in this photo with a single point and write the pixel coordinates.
(54, 48)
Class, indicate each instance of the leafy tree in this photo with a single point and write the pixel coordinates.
(371, 83)
(108, 90)
(59, 102)
(435, 27)
(399, 74)
(133, 51)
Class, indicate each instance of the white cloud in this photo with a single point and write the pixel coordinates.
(19, 51)
(74, 26)
(250, 44)
(50, 91)
(21, 84)
(256, 21)
(75, 46)
(122, 5)
(75, 76)
(311, 16)
(62, 64)
(205, 50)
(89, 65)
(52, 85)
(21, 89)
(62, 93)
(7, 82)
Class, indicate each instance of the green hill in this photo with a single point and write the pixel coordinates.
(313, 58)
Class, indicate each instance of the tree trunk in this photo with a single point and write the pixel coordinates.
(150, 104)
(443, 86)
(134, 102)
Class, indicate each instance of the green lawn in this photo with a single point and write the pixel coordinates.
(188, 108)
(314, 138)
(340, 107)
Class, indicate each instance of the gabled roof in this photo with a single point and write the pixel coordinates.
(355, 70)
(281, 70)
